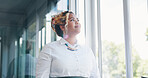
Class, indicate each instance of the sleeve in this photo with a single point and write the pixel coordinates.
(95, 70)
(43, 63)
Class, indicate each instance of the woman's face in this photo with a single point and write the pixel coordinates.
(74, 26)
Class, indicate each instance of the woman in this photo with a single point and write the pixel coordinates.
(65, 58)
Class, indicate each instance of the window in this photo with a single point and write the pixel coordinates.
(139, 30)
(21, 58)
(30, 58)
(112, 31)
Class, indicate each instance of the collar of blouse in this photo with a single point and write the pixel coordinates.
(64, 42)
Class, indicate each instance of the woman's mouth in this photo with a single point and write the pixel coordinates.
(77, 26)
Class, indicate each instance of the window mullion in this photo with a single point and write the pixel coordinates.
(127, 33)
(99, 38)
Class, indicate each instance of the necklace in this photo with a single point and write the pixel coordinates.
(71, 49)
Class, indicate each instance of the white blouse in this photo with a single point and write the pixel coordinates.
(55, 60)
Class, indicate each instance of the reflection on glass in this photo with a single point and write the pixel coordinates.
(21, 56)
(139, 27)
(30, 60)
(113, 47)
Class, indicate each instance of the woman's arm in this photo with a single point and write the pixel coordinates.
(43, 63)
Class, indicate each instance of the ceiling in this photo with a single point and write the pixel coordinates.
(18, 5)
(12, 12)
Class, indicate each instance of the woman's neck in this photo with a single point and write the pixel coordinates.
(71, 39)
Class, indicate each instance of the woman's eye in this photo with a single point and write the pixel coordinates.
(72, 20)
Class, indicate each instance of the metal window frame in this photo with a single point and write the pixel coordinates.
(37, 33)
(99, 38)
(127, 34)
(93, 26)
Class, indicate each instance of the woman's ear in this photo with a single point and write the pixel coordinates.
(62, 28)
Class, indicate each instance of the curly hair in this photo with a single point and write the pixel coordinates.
(60, 20)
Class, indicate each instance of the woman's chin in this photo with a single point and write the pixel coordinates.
(78, 32)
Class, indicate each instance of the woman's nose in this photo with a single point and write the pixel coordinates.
(76, 21)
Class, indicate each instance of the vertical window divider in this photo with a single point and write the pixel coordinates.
(76, 7)
(99, 38)
(93, 26)
(127, 33)
(37, 34)
(85, 18)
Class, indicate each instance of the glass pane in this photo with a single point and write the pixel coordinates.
(21, 57)
(80, 15)
(30, 59)
(113, 47)
(139, 27)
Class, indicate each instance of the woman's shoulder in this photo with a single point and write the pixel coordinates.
(50, 46)
(54, 43)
